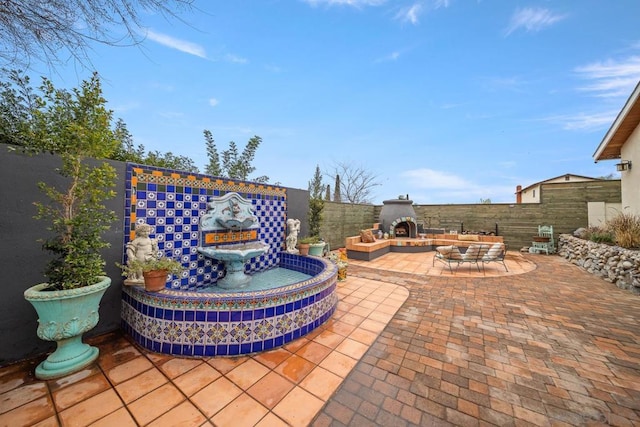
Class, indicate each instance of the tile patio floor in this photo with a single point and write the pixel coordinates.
(410, 344)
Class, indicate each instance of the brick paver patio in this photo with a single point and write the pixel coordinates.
(552, 347)
(546, 344)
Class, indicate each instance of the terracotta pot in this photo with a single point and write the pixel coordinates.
(303, 248)
(155, 280)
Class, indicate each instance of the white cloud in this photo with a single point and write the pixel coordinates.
(273, 68)
(235, 59)
(123, 108)
(584, 121)
(213, 102)
(413, 12)
(173, 43)
(432, 179)
(393, 56)
(434, 186)
(354, 3)
(532, 20)
(611, 78)
(410, 13)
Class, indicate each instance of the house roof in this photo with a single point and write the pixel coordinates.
(622, 127)
(585, 178)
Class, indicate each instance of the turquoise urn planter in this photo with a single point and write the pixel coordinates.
(63, 316)
(317, 249)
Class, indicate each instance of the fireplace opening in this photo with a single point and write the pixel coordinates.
(406, 228)
(398, 218)
(402, 230)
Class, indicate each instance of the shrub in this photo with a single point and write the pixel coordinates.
(599, 235)
(625, 228)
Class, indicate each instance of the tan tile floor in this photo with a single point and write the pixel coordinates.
(131, 386)
(546, 344)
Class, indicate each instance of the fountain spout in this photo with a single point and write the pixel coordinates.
(228, 235)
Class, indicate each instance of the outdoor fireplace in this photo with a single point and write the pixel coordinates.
(398, 218)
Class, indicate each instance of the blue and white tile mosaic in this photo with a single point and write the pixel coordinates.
(173, 202)
(183, 320)
(232, 323)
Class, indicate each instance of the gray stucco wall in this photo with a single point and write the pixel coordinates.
(297, 208)
(23, 261)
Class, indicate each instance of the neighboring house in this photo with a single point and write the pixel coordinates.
(622, 143)
(531, 194)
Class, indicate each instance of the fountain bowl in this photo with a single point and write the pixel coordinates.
(234, 256)
(236, 251)
(231, 323)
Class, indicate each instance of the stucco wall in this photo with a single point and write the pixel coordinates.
(630, 178)
(23, 261)
(563, 205)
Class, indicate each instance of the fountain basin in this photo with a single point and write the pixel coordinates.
(234, 257)
(226, 323)
(234, 252)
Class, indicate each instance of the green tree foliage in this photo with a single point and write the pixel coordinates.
(316, 204)
(74, 125)
(337, 196)
(129, 152)
(17, 101)
(234, 165)
(20, 102)
(213, 167)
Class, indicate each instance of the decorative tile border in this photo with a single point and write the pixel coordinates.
(226, 323)
(180, 320)
(172, 203)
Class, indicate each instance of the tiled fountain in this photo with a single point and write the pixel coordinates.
(199, 313)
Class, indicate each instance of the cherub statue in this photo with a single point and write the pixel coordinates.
(292, 238)
(142, 248)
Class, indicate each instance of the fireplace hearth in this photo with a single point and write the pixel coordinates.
(398, 218)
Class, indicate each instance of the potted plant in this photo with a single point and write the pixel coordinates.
(155, 271)
(339, 258)
(74, 126)
(316, 206)
(305, 243)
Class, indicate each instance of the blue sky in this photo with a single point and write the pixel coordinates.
(449, 101)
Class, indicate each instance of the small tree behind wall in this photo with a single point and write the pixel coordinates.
(316, 204)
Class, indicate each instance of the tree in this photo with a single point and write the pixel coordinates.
(485, 201)
(49, 30)
(234, 165)
(17, 102)
(213, 167)
(76, 126)
(316, 204)
(337, 197)
(610, 176)
(170, 161)
(327, 194)
(356, 183)
(21, 106)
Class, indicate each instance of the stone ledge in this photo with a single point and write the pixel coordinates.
(613, 264)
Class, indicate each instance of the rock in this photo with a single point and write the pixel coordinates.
(580, 233)
(613, 264)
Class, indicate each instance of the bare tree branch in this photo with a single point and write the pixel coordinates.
(47, 30)
(356, 183)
